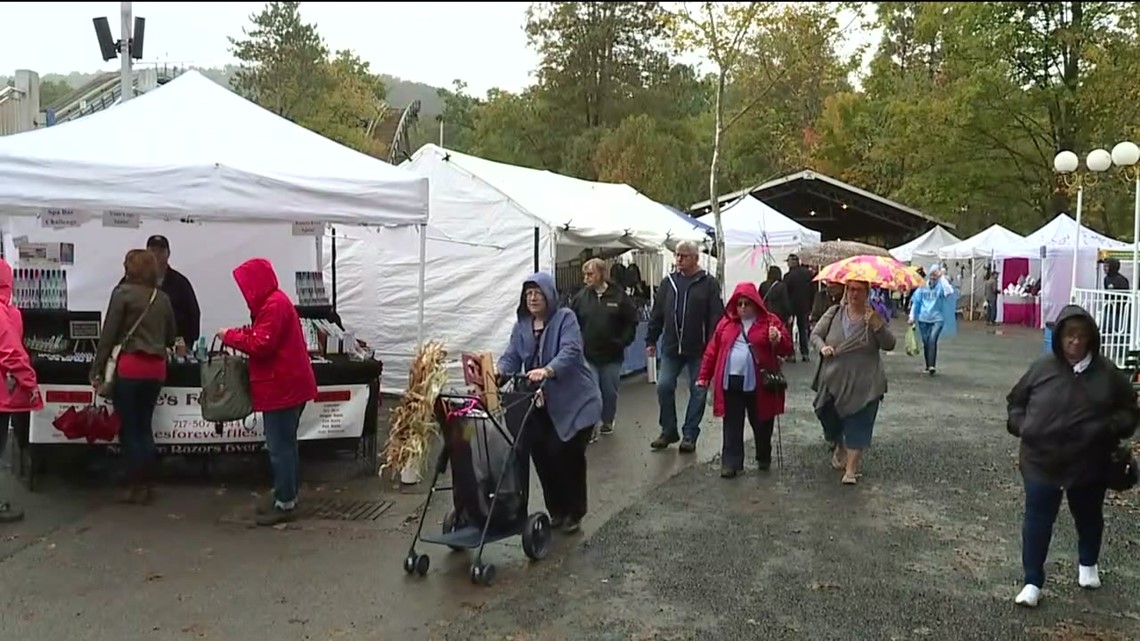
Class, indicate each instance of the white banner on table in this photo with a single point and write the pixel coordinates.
(337, 412)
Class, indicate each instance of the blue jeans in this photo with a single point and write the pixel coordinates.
(930, 333)
(609, 375)
(671, 366)
(1042, 503)
(134, 400)
(281, 441)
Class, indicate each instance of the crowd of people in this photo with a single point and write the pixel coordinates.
(1070, 410)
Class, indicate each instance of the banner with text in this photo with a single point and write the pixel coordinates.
(337, 412)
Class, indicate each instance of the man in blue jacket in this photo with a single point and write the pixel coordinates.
(686, 310)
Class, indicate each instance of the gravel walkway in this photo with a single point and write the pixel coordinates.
(926, 547)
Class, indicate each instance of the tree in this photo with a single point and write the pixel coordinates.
(595, 56)
(285, 67)
(658, 159)
(284, 62)
(717, 30)
(52, 91)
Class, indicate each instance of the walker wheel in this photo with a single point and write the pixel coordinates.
(410, 562)
(423, 562)
(482, 574)
(536, 536)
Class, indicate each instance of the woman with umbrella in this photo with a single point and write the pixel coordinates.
(851, 380)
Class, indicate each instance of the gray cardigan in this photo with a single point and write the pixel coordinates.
(854, 375)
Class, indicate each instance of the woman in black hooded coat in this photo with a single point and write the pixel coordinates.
(1071, 410)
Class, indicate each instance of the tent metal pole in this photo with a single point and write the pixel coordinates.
(422, 284)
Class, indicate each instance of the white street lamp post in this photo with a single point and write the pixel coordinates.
(1066, 164)
(1125, 156)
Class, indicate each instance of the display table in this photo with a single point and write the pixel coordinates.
(344, 412)
(1018, 310)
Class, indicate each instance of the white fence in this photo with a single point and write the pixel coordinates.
(1113, 313)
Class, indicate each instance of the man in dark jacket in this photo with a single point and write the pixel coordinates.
(1071, 410)
(685, 313)
(802, 293)
(608, 320)
(187, 315)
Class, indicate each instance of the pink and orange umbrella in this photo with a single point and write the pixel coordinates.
(879, 271)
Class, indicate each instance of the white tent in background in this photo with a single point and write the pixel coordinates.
(993, 242)
(755, 237)
(1056, 241)
(492, 225)
(1062, 232)
(924, 249)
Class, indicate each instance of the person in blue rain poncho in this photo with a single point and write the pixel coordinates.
(934, 311)
(546, 346)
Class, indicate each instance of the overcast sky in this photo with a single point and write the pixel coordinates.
(435, 43)
(431, 42)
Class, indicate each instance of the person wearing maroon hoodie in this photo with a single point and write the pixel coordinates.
(280, 377)
(20, 391)
(748, 340)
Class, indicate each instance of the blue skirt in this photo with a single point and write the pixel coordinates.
(853, 432)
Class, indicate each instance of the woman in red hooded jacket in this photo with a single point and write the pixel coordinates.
(281, 377)
(733, 366)
(20, 391)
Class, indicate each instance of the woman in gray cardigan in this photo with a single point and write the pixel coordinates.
(850, 380)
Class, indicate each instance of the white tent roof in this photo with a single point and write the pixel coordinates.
(584, 213)
(993, 242)
(192, 148)
(750, 222)
(927, 244)
(1062, 232)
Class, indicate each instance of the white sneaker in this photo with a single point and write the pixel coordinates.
(1029, 596)
(1088, 577)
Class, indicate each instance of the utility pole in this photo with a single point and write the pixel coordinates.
(126, 83)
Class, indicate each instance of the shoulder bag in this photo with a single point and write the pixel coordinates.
(771, 380)
(226, 392)
(110, 370)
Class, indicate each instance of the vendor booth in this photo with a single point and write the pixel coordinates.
(492, 225)
(755, 238)
(1002, 250)
(1060, 240)
(223, 180)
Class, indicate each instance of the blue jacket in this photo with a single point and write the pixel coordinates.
(939, 301)
(572, 397)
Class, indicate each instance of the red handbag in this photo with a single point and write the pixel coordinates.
(73, 423)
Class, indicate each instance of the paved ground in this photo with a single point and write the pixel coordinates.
(925, 548)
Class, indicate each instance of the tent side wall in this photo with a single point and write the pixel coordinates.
(480, 248)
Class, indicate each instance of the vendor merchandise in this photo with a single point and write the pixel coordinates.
(311, 289)
(39, 289)
(413, 420)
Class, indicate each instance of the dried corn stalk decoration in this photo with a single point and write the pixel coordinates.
(413, 425)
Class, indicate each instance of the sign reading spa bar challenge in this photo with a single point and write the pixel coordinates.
(337, 412)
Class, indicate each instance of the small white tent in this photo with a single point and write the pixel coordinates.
(993, 242)
(924, 249)
(755, 237)
(492, 225)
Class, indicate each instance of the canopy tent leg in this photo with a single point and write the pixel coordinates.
(422, 286)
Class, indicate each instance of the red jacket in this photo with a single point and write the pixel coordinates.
(764, 353)
(280, 372)
(15, 364)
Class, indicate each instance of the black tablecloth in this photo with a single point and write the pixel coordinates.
(340, 371)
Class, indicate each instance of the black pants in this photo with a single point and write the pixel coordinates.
(803, 328)
(134, 400)
(561, 466)
(5, 422)
(737, 404)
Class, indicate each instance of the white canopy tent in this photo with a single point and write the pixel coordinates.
(966, 261)
(1064, 264)
(492, 225)
(188, 153)
(924, 249)
(755, 237)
